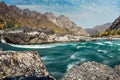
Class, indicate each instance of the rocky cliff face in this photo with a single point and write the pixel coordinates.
(25, 65)
(115, 25)
(12, 16)
(91, 71)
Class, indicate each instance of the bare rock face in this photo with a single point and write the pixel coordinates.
(25, 65)
(51, 17)
(91, 71)
(115, 25)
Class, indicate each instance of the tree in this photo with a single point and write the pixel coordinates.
(10, 25)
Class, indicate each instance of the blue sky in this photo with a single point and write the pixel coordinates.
(85, 13)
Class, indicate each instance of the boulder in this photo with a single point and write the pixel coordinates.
(90, 71)
(24, 65)
(33, 41)
(15, 38)
(117, 69)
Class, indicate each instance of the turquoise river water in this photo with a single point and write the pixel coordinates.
(60, 57)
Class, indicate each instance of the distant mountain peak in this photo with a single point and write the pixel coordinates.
(63, 17)
(49, 13)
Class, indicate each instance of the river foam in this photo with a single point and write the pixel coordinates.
(69, 66)
(31, 46)
(99, 43)
(104, 51)
(36, 46)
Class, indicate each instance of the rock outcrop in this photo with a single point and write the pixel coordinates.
(117, 69)
(25, 65)
(91, 71)
(25, 35)
(115, 25)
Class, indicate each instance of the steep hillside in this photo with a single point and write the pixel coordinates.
(115, 25)
(99, 28)
(12, 16)
(113, 30)
(66, 24)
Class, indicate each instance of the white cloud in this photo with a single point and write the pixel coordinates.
(83, 13)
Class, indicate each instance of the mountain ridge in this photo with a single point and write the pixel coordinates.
(98, 28)
(12, 16)
(113, 30)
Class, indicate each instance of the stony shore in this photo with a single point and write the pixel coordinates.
(43, 36)
(92, 71)
(37, 36)
(27, 65)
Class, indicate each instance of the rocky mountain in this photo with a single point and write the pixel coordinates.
(12, 16)
(99, 28)
(113, 30)
(115, 25)
(66, 24)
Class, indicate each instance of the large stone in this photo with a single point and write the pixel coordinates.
(117, 69)
(91, 71)
(33, 41)
(25, 65)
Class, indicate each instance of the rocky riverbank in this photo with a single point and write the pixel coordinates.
(25, 65)
(92, 71)
(25, 35)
